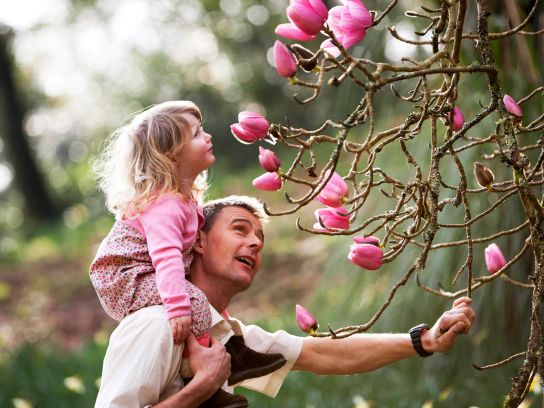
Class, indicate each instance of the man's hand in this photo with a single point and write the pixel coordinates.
(210, 364)
(458, 320)
(181, 327)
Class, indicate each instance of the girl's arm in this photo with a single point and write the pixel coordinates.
(165, 223)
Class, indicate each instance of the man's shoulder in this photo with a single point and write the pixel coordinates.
(149, 314)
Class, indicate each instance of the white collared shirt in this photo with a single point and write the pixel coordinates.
(141, 365)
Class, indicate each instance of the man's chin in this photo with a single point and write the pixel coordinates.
(244, 281)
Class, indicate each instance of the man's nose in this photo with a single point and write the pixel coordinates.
(255, 242)
(208, 137)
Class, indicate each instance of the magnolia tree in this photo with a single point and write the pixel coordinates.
(415, 203)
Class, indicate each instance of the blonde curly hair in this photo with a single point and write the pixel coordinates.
(136, 166)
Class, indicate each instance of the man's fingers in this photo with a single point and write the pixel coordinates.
(214, 342)
(447, 338)
(459, 328)
(447, 321)
(191, 342)
(464, 299)
(466, 311)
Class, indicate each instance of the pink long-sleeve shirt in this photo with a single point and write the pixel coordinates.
(143, 261)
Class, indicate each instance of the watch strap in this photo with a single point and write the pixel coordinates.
(415, 335)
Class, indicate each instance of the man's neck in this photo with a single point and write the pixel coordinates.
(218, 296)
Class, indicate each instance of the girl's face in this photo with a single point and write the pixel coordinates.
(197, 154)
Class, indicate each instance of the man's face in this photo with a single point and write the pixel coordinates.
(231, 249)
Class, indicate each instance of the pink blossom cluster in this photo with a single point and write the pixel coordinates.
(307, 18)
(252, 127)
(366, 251)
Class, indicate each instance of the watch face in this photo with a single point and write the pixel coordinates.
(419, 327)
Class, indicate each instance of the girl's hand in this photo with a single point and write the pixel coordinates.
(181, 327)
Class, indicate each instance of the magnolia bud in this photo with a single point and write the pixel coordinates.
(494, 258)
(306, 320)
(512, 106)
(484, 176)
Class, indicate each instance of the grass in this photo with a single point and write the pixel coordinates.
(43, 376)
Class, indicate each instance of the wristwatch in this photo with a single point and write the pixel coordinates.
(415, 334)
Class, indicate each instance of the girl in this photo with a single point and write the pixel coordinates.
(153, 174)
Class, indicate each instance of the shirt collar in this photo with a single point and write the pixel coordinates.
(216, 317)
(221, 328)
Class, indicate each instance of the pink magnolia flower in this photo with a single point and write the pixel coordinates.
(284, 61)
(328, 46)
(306, 321)
(494, 259)
(366, 253)
(292, 32)
(308, 15)
(254, 122)
(335, 193)
(458, 119)
(243, 136)
(511, 106)
(251, 127)
(367, 240)
(268, 159)
(268, 181)
(331, 218)
(349, 22)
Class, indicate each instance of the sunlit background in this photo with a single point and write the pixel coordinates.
(78, 69)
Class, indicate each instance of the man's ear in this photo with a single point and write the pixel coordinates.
(199, 242)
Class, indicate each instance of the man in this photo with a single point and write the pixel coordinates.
(142, 363)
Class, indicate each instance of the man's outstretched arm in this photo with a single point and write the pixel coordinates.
(366, 352)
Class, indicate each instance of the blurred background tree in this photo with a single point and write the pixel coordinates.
(76, 69)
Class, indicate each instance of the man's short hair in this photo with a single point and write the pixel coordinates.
(212, 208)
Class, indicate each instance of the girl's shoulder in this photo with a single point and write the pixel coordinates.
(170, 202)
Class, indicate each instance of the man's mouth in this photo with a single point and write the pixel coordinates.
(246, 260)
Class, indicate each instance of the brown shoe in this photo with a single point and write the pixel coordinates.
(224, 399)
(247, 363)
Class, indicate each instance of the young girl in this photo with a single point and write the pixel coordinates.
(153, 174)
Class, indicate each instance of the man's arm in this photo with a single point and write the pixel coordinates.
(366, 352)
(211, 367)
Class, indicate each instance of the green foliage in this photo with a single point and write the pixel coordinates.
(47, 377)
(68, 239)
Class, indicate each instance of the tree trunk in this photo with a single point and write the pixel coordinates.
(28, 179)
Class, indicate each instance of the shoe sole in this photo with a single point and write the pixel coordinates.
(262, 371)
